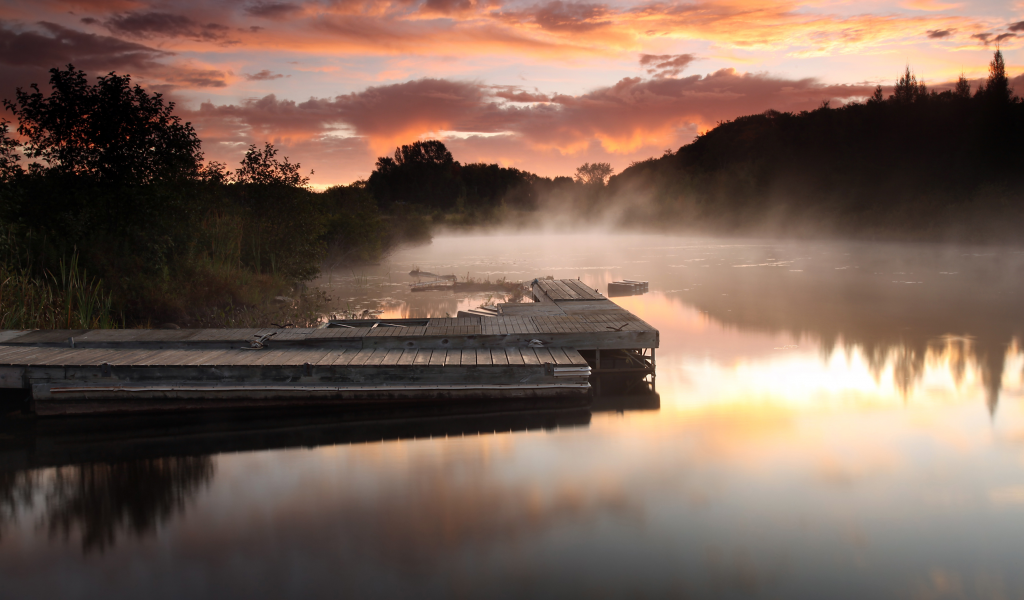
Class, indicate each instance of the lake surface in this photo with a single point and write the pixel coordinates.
(832, 420)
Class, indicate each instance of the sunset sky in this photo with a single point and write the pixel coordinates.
(542, 86)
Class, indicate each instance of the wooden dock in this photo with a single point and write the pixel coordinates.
(544, 349)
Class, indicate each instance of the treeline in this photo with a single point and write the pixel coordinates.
(916, 164)
(117, 220)
(423, 177)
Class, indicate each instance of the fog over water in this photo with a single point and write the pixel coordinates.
(840, 418)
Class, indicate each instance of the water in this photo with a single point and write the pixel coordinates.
(835, 419)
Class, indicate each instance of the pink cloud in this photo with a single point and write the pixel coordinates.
(628, 117)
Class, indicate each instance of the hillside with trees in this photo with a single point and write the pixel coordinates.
(915, 165)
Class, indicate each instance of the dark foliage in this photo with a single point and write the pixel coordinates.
(121, 185)
(108, 131)
(425, 176)
(915, 165)
(422, 173)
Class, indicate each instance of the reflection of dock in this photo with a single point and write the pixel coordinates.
(544, 349)
(27, 443)
(79, 440)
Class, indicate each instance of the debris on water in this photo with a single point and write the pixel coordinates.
(627, 287)
(419, 273)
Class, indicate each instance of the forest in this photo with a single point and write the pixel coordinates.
(913, 165)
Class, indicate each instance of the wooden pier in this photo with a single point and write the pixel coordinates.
(546, 349)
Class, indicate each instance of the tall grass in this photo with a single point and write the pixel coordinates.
(67, 299)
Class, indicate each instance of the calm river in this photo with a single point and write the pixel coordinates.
(832, 420)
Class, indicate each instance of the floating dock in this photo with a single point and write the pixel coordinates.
(627, 287)
(541, 353)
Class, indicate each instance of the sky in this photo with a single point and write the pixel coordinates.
(542, 86)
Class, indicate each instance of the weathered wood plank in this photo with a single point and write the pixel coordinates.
(530, 356)
(544, 356)
(408, 357)
(498, 356)
(559, 356)
(567, 292)
(12, 355)
(422, 357)
(438, 357)
(575, 358)
(513, 356)
(377, 357)
(361, 357)
(392, 357)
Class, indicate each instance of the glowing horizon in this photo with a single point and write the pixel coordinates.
(539, 86)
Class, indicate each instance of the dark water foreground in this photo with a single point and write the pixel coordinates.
(831, 420)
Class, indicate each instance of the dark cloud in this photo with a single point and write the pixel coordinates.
(26, 56)
(1018, 26)
(158, 24)
(426, 104)
(938, 34)
(89, 21)
(60, 45)
(666, 65)
(1004, 36)
(264, 75)
(515, 94)
(629, 114)
(571, 16)
(982, 37)
(273, 10)
(195, 78)
(448, 7)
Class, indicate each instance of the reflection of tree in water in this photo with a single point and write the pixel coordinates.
(908, 360)
(101, 500)
(16, 490)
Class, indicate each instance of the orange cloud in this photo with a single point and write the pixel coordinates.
(549, 30)
(621, 119)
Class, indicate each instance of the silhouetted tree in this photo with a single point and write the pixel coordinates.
(429, 152)
(908, 89)
(108, 131)
(262, 167)
(877, 96)
(593, 173)
(423, 173)
(9, 155)
(963, 88)
(997, 87)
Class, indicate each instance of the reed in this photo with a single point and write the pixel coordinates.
(67, 299)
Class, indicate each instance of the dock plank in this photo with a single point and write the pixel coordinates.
(361, 357)
(559, 355)
(13, 353)
(376, 358)
(408, 357)
(575, 358)
(544, 356)
(498, 356)
(514, 356)
(422, 357)
(438, 357)
(392, 357)
(530, 356)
